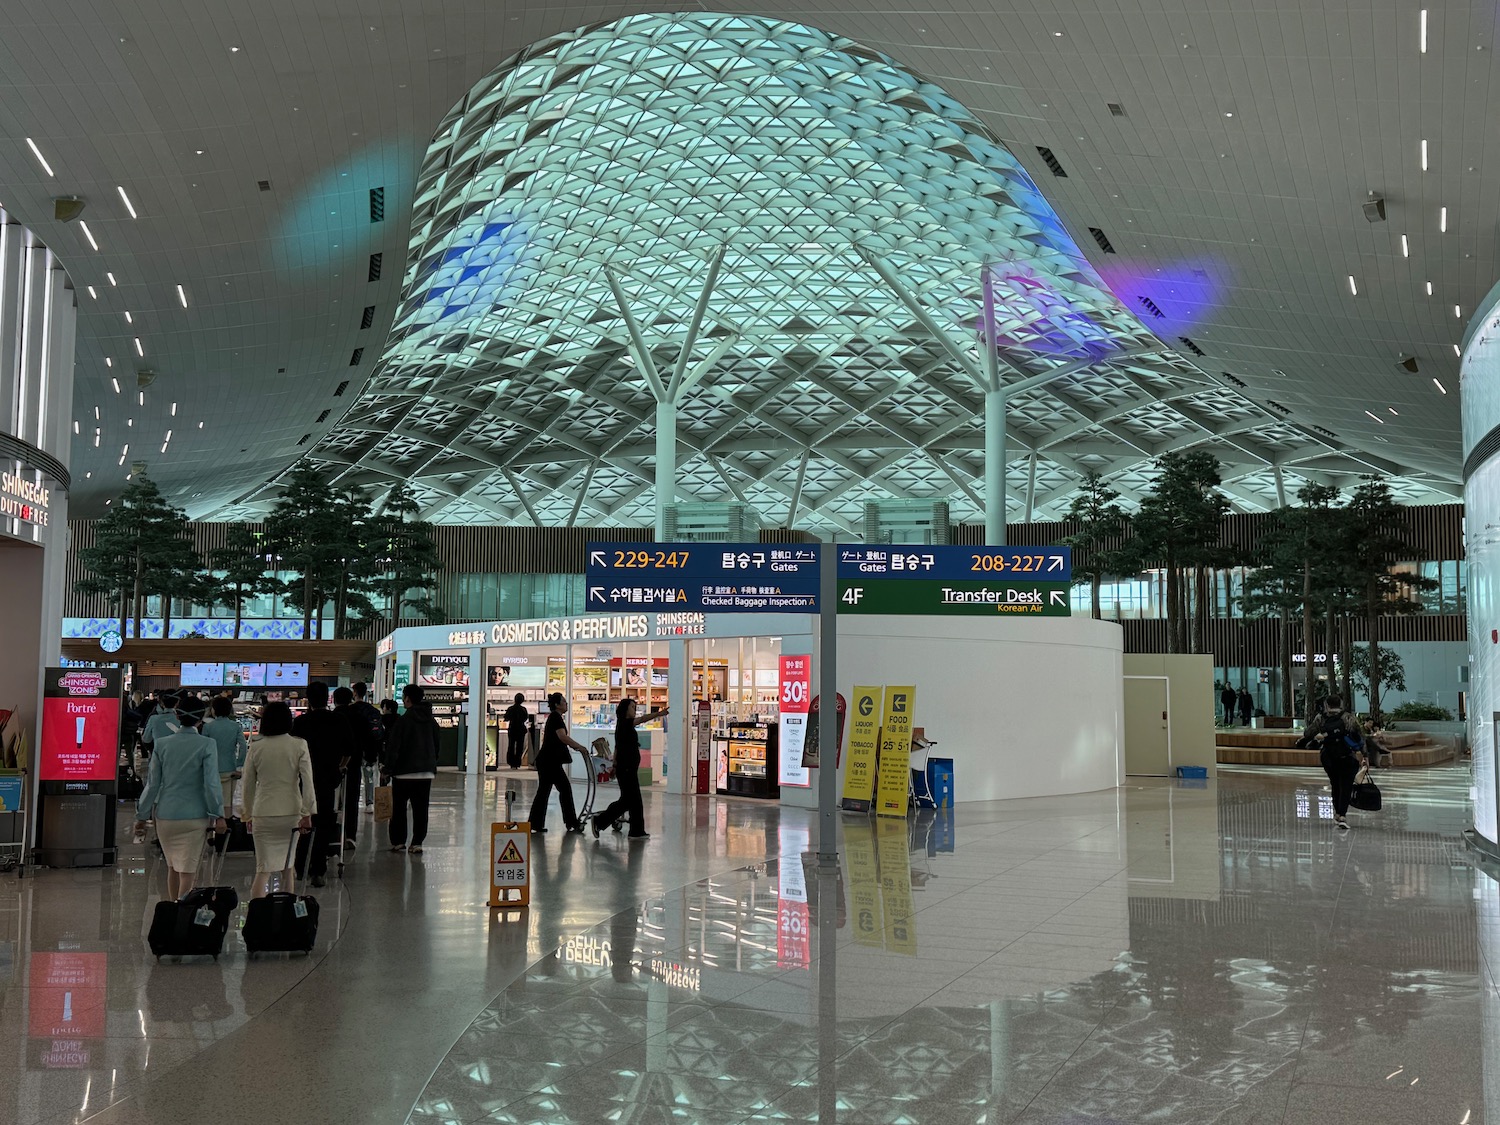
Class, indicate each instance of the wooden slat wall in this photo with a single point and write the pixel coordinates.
(1261, 648)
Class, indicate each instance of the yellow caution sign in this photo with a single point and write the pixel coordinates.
(510, 863)
(864, 741)
(894, 782)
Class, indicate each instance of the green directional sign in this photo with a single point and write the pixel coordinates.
(961, 597)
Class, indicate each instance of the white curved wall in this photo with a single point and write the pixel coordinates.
(1479, 390)
(1025, 708)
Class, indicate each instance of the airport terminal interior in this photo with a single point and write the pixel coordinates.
(885, 564)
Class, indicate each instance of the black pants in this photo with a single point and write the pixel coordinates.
(553, 775)
(418, 791)
(515, 748)
(1341, 767)
(629, 804)
(322, 839)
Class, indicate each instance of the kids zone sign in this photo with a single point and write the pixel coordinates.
(80, 724)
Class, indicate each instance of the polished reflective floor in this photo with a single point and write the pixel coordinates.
(1161, 953)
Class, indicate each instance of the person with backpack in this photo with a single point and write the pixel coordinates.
(409, 761)
(370, 733)
(1340, 743)
(517, 720)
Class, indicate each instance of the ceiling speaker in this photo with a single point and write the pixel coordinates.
(1374, 208)
(144, 378)
(66, 208)
(137, 468)
(1409, 363)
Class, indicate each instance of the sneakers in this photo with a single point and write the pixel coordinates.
(1341, 823)
(537, 830)
(594, 824)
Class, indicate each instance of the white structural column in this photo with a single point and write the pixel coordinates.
(671, 392)
(1280, 486)
(1031, 489)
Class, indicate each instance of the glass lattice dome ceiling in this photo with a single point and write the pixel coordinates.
(789, 235)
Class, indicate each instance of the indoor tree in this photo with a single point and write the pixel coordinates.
(239, 572)
(408, 558)
(1274, 586)
(306, 536)
(1178, 525)
(141, 545)
(1389, 674)
(1101, 520)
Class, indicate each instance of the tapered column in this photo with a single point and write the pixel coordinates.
(994, 468)
(666, 464)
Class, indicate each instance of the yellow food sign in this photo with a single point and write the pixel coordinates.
(894, 781)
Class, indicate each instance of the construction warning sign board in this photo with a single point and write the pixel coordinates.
(510, 863)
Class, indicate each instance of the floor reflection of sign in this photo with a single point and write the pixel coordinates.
(864, 733)
(864, 880)
(895, 887)
(793, 920)
(894, 781)
(510, 868)
(66, 1000)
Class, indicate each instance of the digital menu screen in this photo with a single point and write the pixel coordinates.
(80, 724)
(244, 675)
(286, 675)
(202, 675)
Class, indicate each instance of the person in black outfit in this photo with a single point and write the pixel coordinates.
(550, 772)
(370, 727)
(1340, 742)
(627, 771)
(1247, 707)
(517, 719)
(1227, 700)
(409, 760)
(363, 744)
(330, 743)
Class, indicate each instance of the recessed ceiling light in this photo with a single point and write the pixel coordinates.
(1422, 40)
(141, 395)
(1057, 35)
(111, 278)
(1429, 289)
(125, 199)
(96, 412)
(1377, 417)
(40, 159)
(181, 297)
(116, 383)
(128, 318)
(199, 151)
(1457, 351)
(93, 292)
(140, 351)
(234, 50)
(174, 414)
(1405, 249)
(1457, 312)
(1439, 385)
(130, 421)
(1229, 113)
(75, 425)
(88, 234)
(108, 362)
(1353, 288)
(1392, 409)
(200, 425)
(1443, 219)
(1424, 154)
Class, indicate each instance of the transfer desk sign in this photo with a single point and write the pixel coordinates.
(956, 581)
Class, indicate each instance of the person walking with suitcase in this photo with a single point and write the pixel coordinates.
(183, 794)
(1340, 742)
(409, 761)
(279, 795)
(551, 773)
(628, 772)
(331, 747)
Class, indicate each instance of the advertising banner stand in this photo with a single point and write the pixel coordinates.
(78, 767)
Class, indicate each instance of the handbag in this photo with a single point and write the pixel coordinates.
(1365, 795)
(384, 805)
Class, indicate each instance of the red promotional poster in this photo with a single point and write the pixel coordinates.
(796, 698)
(67, 995)
(80, 724)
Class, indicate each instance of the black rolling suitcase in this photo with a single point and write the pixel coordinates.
(281, 922)
(194, 925)
(236, 839)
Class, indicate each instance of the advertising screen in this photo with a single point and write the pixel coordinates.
(286, 675)
(80, 724)
(443, 669)
(202, 675)
(518, 676)
(244, 675)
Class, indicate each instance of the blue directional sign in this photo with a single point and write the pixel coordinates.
(702, 577)
(954, 564)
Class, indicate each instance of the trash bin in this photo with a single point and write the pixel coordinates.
(940, 781)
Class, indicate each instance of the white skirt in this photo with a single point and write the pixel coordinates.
(273, 838)
(182, 842)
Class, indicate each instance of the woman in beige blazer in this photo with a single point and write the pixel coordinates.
(278, 797)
